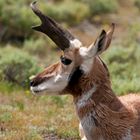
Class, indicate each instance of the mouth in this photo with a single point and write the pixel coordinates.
(36, 91)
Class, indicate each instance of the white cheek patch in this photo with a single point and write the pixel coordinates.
(57, 78)
(54, 84)
(75, 43)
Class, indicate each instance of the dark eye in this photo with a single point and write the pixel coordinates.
(65, 60)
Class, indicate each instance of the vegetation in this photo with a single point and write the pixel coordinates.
(16, 24)
(137, 3)
(124, 64)
(61, 12)
(24, 53)
(16, 66)
(103, 6)
(26, 117)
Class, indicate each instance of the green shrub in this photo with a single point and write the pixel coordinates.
(72, 12)
(36, 47)
(103, 6)
(16, 18)
(137, 4)
(16, 66)
(42, 48)
(124, 67)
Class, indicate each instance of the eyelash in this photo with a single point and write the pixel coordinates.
(65, 60)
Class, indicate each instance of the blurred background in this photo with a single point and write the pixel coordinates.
(24, 52)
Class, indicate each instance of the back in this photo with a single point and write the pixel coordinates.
(133, 101)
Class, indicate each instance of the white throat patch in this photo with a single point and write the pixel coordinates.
(85, 97)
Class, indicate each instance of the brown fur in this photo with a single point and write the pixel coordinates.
(113, 115)
(115, 118)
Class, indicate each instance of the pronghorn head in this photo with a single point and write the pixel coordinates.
(76, 58)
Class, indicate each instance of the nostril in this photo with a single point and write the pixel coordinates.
(32, 83)
(36, 82)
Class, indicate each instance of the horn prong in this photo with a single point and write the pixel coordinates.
(60, 36)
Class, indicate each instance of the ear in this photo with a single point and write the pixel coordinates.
(102, 42)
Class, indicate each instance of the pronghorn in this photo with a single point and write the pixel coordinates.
(81, 73)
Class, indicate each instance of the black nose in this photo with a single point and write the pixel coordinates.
(32, 83)
(36, 82)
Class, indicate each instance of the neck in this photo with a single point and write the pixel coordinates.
(96, 95)
(93, 87)
(98, 107)
(100, 111)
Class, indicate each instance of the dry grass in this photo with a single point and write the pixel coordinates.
(25, 117)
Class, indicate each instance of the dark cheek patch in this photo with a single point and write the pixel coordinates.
(75, 76)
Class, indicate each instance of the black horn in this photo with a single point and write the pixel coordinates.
(60, 36)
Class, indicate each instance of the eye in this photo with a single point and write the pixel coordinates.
(65, 60)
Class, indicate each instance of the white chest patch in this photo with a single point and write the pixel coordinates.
(85, 97)
(128, 135)
(89, 128)
(88, 125)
